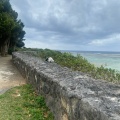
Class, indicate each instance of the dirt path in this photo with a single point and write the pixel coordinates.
(9, 75)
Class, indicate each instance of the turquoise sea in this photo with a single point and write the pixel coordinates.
(107, 59)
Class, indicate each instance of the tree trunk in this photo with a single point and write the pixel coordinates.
(4, 48)
(2, 51)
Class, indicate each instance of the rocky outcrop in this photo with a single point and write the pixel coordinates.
(70, 95)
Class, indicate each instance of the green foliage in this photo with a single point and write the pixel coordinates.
(11, 29)
(22, 103)
(78, 63)
(10, 50)
(6, 25)
(17, 35)
(20, 44)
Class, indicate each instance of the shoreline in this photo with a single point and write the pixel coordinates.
(109, 61)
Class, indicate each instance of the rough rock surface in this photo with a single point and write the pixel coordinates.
(70, 95)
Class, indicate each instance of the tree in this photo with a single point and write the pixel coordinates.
(11, 29)
(20, 44)
(17, 35)
(6, 26)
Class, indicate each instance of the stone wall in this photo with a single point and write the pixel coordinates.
(70, 95)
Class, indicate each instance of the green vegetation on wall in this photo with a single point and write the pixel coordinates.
(78, 63)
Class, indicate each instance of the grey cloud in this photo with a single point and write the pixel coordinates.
(69, 21)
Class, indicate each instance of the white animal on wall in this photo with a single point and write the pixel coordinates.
(49, 59)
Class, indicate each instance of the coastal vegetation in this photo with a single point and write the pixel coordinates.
(11, 29)
(22, 103)
(78, 63)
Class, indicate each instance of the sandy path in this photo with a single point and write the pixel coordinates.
(9, 75)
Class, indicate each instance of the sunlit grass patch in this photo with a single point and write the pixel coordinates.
(22, 103)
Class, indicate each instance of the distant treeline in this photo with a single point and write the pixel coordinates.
(11, 29)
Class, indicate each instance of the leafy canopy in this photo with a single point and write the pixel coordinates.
(11, 29)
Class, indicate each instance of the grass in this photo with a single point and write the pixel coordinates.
(78, 63)
(22, 103)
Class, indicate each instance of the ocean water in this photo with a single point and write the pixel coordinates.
(98, 58)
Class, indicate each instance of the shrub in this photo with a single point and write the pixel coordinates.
(79, 63)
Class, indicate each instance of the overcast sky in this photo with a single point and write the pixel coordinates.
(70, 24)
